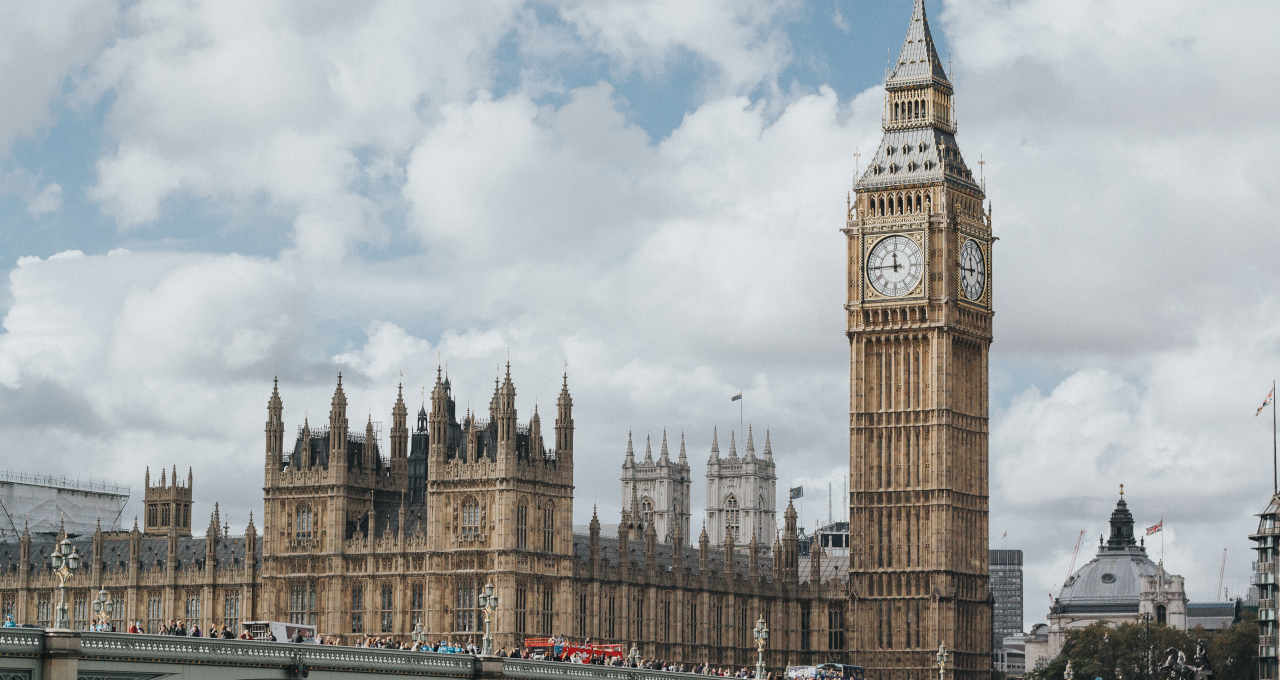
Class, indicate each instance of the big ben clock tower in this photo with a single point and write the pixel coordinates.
(919, 326)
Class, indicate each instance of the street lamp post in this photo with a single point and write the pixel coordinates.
(1146, 670)
(102, 607)
(488, 605)
(419, 635)
(64, 559)
(943, 655)
(634, 656)
(761, 634)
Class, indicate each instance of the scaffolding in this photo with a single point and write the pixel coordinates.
(47, 503)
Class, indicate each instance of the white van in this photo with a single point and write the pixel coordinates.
(283, 632)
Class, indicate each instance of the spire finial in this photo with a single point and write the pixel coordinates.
(648, 449)
(684, 459)
(1122, 489)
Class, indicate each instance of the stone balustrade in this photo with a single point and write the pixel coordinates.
(123, 655)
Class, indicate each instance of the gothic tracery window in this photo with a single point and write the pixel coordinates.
(470, 529)
(522, 525)
(646, 511)
(731, 517)
(548, 526)
(303, 525)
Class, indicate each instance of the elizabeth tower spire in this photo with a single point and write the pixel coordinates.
(919, 326)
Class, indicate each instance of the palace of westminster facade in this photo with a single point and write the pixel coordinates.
(358, 542)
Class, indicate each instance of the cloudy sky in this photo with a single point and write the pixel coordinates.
(194, 198)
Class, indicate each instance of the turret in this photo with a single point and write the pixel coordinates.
(564, 421)
(400, 438)
(753, 562)
(733, 446)
(370, 448)
(730, 548)
(768, 448)
(664, 456)
(594, 530)
(704, 549)
(211, 540)
(98, 555)
(506, 414)
(684, 458)
(338, 429)
(250, 546)
(778, 562)
(135, 551)
(438, 420)
(648, 450)
(535, 435)
(630, 460)
(790, 543)
(715, 446)
(751, 447)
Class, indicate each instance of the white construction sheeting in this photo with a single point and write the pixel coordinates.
(43, 501)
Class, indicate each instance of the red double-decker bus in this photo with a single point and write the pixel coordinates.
(590, 651)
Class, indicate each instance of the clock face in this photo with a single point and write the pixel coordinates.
(973, 270)
(895, 265)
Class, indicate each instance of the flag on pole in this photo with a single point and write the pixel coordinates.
(796, 492)
(1156, 528)
(1267, 401)
(736, 397)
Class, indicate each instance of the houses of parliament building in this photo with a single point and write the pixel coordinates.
(360, 542)
(357, 540)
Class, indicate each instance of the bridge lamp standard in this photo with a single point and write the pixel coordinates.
(64, 559)
(102, 607)
(761, 635)
(488, 606)
(419, 635)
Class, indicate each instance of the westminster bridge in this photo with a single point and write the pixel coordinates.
(36, 654)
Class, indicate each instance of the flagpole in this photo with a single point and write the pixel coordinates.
(1274, 486)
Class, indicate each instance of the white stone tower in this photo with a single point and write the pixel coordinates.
(741, 493)
(661, 489)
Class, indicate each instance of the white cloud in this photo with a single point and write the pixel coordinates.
(43, 46)
(48, 200)
(1128, 167)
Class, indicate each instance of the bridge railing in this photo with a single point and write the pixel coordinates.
(524, 669)
(21, 642)
(170, 649)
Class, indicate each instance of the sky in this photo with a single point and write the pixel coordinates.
(197, 197)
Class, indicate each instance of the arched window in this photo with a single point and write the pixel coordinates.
(522, 525)
(549, 527)
(302, 527)
(1161, 613)
(470, 525)
(646, 511)
(731, 517)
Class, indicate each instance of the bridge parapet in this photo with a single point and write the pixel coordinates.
(21, 642)
(36, 654)
(210, 651)
(523, 669)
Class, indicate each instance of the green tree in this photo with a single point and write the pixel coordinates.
(1099, 650)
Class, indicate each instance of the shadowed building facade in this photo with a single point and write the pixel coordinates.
(919, 326)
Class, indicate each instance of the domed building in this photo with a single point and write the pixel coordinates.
(1119, 585)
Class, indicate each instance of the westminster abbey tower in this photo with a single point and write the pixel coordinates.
(919, 326)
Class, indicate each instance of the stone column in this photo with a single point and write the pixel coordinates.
(61, 655)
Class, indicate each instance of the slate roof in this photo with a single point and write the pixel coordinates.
(918, 60)
(920, 155)
(154, 551)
